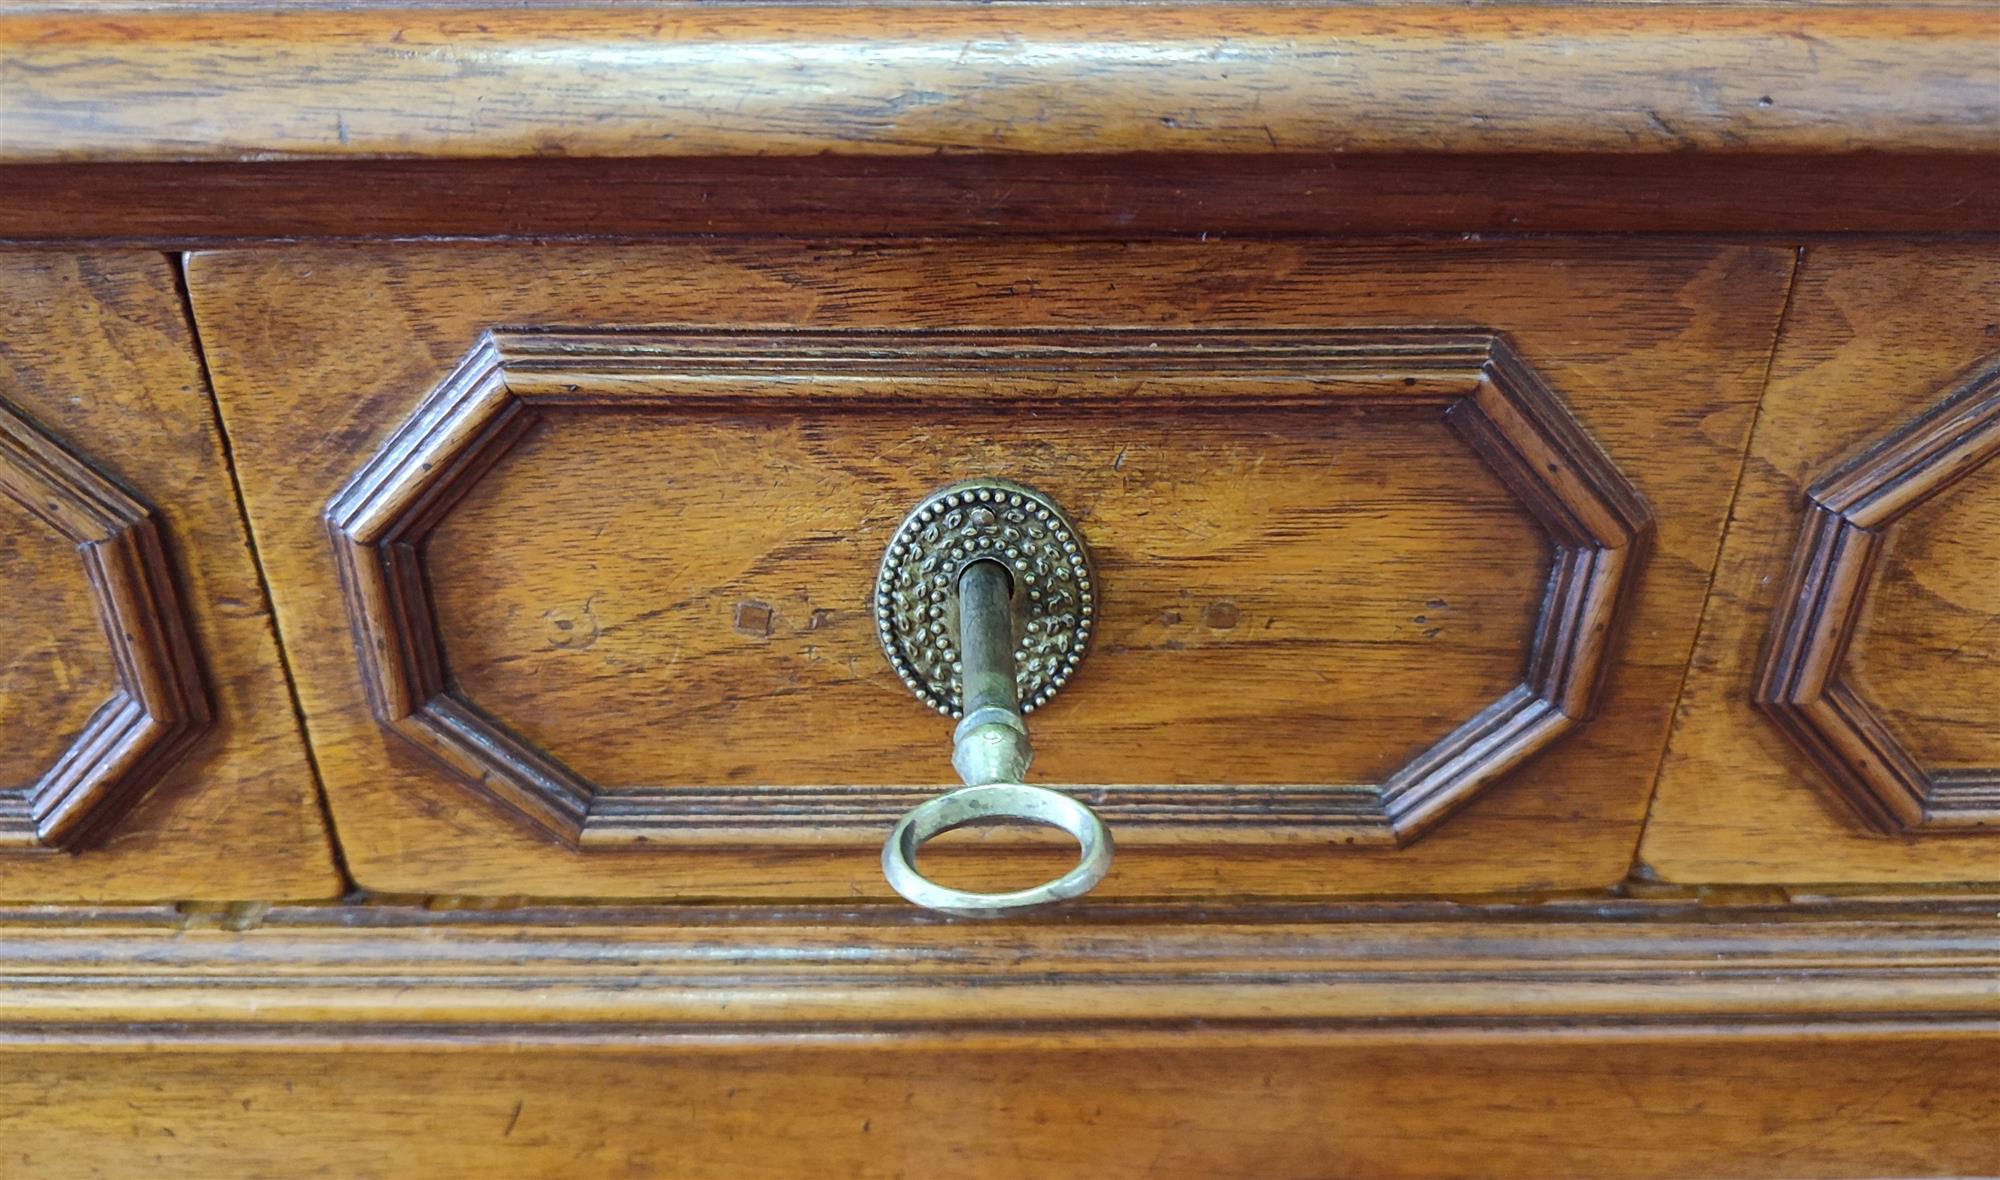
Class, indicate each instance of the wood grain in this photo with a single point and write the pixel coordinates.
(1183, 193)
(97, 350)
(1331, 593)
(1584, 1040)
(1878, 334)
(1851, 517)
(802, 80)
(1741, 1108)
(57, 668)
(1190, 383)
(619, 975)
(158, 704)
(1213, 532)
(1679, 330)
(1931, 614)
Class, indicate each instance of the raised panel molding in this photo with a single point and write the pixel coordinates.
(1596, 522)
(1802, 685)
(157, 706)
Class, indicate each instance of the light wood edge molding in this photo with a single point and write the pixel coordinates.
(157, 706)
(250, 83)
(379, 974)
(1801, 685)
(1596, 523)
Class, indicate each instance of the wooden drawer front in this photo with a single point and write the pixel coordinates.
(1856, 597)
(144, 720)
(1372, 527)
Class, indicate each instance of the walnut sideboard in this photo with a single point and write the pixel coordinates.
(1485, 516)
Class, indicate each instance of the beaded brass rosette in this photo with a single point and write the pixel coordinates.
(1055, 597)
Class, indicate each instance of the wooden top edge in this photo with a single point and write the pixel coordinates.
(251, 82)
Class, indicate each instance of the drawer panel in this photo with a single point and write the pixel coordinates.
(1856, 595)
(145, 724)
(741, 612)
(1344, 502)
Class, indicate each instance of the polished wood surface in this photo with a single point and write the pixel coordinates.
(1876, 335)
(1929, 617)
(156, 704)
(1817, 671)
(1226, 493)
(1742, 1106)
(745, 977)
(1677, 334)
(98, 353)
(633, 585)
(59, 670)
(692, 80)
(1588, 1040)
(180, 204)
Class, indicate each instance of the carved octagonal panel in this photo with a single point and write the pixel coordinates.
(1595, 523)
(1803, 684)
(55, 668)
(156, 706)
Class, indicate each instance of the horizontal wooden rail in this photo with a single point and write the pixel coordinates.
(234, 82)
(376, 974)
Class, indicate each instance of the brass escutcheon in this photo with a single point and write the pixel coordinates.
(985, 605)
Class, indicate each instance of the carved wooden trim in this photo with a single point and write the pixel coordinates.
(1596, 522)
(157, 706)
(1801, 686)
(856, 975)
